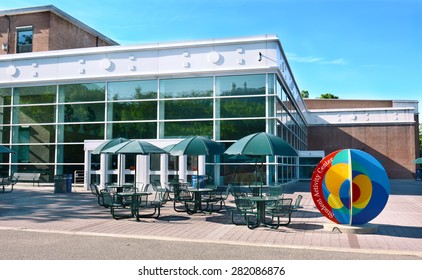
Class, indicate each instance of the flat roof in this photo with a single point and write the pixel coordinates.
(53, 9)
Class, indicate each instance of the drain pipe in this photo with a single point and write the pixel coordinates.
(8, 33)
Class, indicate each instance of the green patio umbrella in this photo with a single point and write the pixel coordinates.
(196, 146)
(109, 144)
(261, 144)
(418, 160)
(134, 147)
(137, 147)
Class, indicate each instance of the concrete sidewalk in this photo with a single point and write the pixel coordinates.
(39, 209)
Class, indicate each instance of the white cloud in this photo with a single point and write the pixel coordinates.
(339, 61)
(312, 59)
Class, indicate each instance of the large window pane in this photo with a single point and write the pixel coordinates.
(187, 109)
(5, 134)
(130, 111)
(83, 112)
(34, 134)
(81, 132)
(73, 154)
(34, 114)
(4, 115)
(82, 92)
(236, 129)
(155, 160)
(132, 90)
(34, 153)
(190, 87)
(133, 130)
(240, 85)
(185, 129)
(5, 96)
(242, 107)
(35, 95)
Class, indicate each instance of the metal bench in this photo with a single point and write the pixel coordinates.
(28, 177)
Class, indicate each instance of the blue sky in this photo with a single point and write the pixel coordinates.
(370, 49)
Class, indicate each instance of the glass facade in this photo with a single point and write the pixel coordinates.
(47, 125)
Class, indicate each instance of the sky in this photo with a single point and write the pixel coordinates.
(354, 49)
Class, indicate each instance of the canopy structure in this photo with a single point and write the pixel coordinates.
(108, 144)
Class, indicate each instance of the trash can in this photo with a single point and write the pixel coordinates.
(59, 184)
(202, 179)
(419, 174)
(68, 182)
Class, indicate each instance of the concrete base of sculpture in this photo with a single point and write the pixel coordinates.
(354, 229)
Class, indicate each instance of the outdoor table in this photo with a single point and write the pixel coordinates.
(197, 197)
(260, 206)
(135, 197)
(120, 188)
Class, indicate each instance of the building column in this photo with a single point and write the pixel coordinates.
(142, 169)
(121, 169)
(103, 169)
(201, 165)
(183, 167)
(87, 169)
(164, 161)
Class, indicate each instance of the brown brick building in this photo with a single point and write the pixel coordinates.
(45, 28)
(386, 129)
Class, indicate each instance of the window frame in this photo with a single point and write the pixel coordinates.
(21, 48)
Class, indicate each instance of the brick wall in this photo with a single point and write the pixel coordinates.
(393, 145)
(40, 23)
(314, 104)
(51, 32)
(65, 35)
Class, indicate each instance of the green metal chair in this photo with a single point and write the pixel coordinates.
(96, 192)
(182, 196)
(281, 210)
(109, 201)
(239, 191)
(165, 193)
(154, 201)
(277, 191)
(245, 208)
(7, 184)
(217, 197)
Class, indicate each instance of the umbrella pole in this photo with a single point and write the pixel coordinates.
(256, 169)
(197, 172)
(262, 169)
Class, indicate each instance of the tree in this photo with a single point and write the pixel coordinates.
(304, 93)
(328, 96)
(420, 140)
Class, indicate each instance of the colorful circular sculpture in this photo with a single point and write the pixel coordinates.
(350, 187)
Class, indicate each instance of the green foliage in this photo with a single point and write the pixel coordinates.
(83, 92)
(242, 107)
(328, 96)
(420, 142)
(304, 93)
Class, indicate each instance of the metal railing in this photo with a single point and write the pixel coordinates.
(78, 177)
